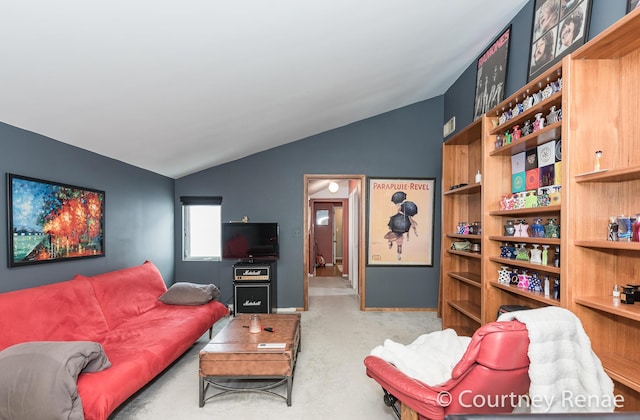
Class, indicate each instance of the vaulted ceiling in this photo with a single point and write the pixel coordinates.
(175, 87)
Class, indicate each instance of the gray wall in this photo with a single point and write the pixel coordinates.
(459, 98)
(138, 206)
(268, 186)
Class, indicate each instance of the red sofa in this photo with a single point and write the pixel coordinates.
(140, 335)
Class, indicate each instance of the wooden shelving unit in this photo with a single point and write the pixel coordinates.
(460, 281)
(497, 161)
(600, 98)
(604, 96)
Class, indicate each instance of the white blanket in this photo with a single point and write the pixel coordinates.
(430, 358)
(565, 373)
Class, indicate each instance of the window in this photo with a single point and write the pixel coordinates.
(201, 226)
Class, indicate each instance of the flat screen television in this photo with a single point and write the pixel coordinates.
(250, 241)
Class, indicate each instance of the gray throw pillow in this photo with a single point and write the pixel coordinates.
(38, 379)
(183, 293)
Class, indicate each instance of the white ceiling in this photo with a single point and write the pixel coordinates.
(177, 86)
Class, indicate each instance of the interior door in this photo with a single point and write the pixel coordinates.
(323, 230)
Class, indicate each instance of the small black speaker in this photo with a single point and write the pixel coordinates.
(252, 298)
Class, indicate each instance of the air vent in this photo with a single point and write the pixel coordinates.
(449, 127)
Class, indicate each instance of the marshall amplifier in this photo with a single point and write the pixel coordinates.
(254, 287)
(251, 272)
(252, 298)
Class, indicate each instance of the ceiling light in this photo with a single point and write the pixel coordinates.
(333, 187)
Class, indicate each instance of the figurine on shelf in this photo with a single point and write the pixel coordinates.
(537, 97)
(522, 229)
(551, 229)
(528, 102)
(543, 198)
(507, 138)
(522, 254)
(538, 124)
(537, 229)
(515, 279)
(552, 117)
(517, 110)
(596, 163)
(505, 250)
(545, 254)
(509, 228)
(504, 276)
(463, 228)
(477, 228)
(535, 284)
(508, 251)
(520, 200)
(554, 194)
(508, 202)
(523, 280)
(531, 199)
(536, 255)
(517, 133)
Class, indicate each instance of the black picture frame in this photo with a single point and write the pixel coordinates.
(559, 28)
(491, 74)
(51, 222)
(632, 4)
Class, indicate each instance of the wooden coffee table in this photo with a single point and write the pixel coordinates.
(233, 357)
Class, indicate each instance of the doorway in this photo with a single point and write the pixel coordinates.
(347, 204)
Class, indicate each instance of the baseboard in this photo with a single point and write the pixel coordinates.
(400, 309)
(286, 310)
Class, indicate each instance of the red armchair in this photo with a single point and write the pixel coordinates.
(491, 375)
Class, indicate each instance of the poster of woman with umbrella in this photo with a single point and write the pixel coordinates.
(400, 225)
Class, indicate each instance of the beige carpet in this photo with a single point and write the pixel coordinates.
(330, 380)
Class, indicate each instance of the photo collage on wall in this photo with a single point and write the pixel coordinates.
(559, 28)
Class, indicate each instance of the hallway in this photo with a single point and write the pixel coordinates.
(328, 281)
(329, 286)
(329, 271)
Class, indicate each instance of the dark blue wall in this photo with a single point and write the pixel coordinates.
(268, 186)
(459, 98)
(138, 206)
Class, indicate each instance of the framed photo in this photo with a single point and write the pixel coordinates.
(559, 27)
(51, 222)
(492, 75)
(632, 4)
(400, 221)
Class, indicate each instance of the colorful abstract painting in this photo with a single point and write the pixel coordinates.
(51, 222)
